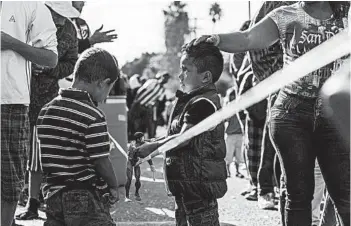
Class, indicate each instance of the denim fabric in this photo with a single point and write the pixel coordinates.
(301, 132)
(196, 212)
(78, 208)
(329, 216)
(266, 172)
(319, 188)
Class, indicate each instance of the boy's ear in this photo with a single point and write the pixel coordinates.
(105, 82)
(207, 77)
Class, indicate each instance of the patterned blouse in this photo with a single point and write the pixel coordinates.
(299, 33)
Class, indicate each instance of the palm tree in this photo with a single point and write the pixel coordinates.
(215, 13)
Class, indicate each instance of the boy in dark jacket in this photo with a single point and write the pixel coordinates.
(195, 171)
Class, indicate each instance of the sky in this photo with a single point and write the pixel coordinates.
(139, 24)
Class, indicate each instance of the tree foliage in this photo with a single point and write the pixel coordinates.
(138, 65)
(215, 12)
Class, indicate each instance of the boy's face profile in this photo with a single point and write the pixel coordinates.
(189, 78)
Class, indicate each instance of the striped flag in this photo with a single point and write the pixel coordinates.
(150, 92)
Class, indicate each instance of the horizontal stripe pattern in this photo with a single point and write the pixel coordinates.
(149, 93)
(72, 134)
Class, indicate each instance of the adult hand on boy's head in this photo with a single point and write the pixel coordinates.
(203, 38)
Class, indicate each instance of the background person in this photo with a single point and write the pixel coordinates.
(21, 22)
(299, 104)
(44, 87)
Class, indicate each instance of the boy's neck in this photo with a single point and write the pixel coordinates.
(198, 88)
(84, 87)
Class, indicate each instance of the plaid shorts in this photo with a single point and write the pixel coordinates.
(252, 151)
(14, 147)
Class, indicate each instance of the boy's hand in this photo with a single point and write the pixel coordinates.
(152, 168)
(37, 69)
(114, 196)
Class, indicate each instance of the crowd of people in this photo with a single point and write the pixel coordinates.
(55, 142)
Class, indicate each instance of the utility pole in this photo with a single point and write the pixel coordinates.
(249, 10)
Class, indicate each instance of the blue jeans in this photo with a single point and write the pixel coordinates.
(301, 133)
(78, 207)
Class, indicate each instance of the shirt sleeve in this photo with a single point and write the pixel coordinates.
(97, 139)
(199, 110)
(283, 17)
(42, 28)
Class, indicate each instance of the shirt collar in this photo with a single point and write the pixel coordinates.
(77, 95)
(199, 91)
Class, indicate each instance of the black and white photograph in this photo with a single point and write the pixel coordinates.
(175, 113)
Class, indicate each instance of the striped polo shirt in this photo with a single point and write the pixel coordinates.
(149, 93)
(72, 134)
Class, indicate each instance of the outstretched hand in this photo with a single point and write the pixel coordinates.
(102, 36)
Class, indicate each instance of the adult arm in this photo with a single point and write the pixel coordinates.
(260, 36)
(192, 117)
(40, 56)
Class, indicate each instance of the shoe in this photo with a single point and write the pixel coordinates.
(239, 175)
(23, 197)
(127, 199)
(137, 197)
(245, 192)
(252, 196)
(266, 201)
(27, 215)
(31, 212)
(14, 223)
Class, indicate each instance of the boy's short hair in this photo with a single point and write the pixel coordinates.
(96, 64)
(206, 57)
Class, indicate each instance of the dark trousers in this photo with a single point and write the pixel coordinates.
(142, 119)
(196, 212)
(78, 207)
(137, 173)
(266, 169)
(302, 133)
(329, 216)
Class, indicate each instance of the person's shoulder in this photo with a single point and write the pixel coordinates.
(84, 107)
(70, 28)
(204, 104)
(287, 9)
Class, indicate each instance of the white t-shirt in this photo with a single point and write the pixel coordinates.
(31, 23)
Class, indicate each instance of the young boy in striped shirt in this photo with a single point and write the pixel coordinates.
(74, 146)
